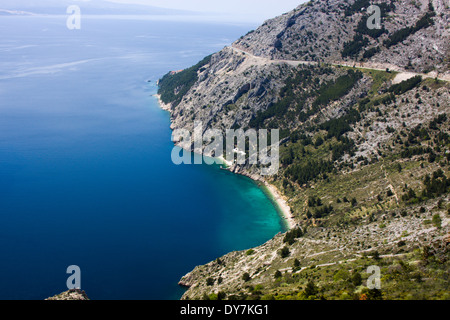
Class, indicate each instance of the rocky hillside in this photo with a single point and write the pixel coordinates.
(229, 88)
(364, 117)
(414, 34)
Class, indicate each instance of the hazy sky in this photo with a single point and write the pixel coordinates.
(236, 10)
(227, 6)
(254, 8)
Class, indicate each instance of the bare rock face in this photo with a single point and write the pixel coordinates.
(73, 294)
(319, 31)
(234, 84)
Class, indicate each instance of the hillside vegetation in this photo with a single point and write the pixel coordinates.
(365, 157)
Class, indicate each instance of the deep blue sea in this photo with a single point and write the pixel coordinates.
(86, 176)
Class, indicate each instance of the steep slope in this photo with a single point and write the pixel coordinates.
(334, 31)
(364, 149)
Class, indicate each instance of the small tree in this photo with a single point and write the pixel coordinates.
(310, 289)
(278, 274)
(284, 253)
(374, 294)
(319, 142)
(210, 282)
(356, 279)
(292, 235)
(221, 295)
(376, 255)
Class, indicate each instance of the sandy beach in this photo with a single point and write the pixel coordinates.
(282, 205)
(225, 162)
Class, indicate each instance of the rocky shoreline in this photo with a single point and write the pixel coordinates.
(162, 105)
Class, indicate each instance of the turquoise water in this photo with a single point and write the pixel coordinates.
(86, 176)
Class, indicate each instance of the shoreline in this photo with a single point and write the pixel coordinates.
(162, 105)
(282, 205)
(271, 191)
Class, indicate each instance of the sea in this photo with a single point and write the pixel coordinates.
(86, 176)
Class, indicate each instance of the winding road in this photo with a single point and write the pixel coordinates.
(401, 74)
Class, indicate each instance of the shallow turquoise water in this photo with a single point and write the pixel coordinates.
(86, 176)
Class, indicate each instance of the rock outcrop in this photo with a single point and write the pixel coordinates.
(73, 294)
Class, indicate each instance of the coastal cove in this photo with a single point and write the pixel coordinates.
(86, 177)
(270, 190)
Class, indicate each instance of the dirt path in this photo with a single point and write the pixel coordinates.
(401, 76)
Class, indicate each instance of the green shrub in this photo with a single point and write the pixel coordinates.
(402, 34)
(284, 253)
(181, 82)
(437, 221)
(406, 85)
(292, 235)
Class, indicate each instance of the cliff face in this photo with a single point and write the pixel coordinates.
(364, 117)
(229, 90)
